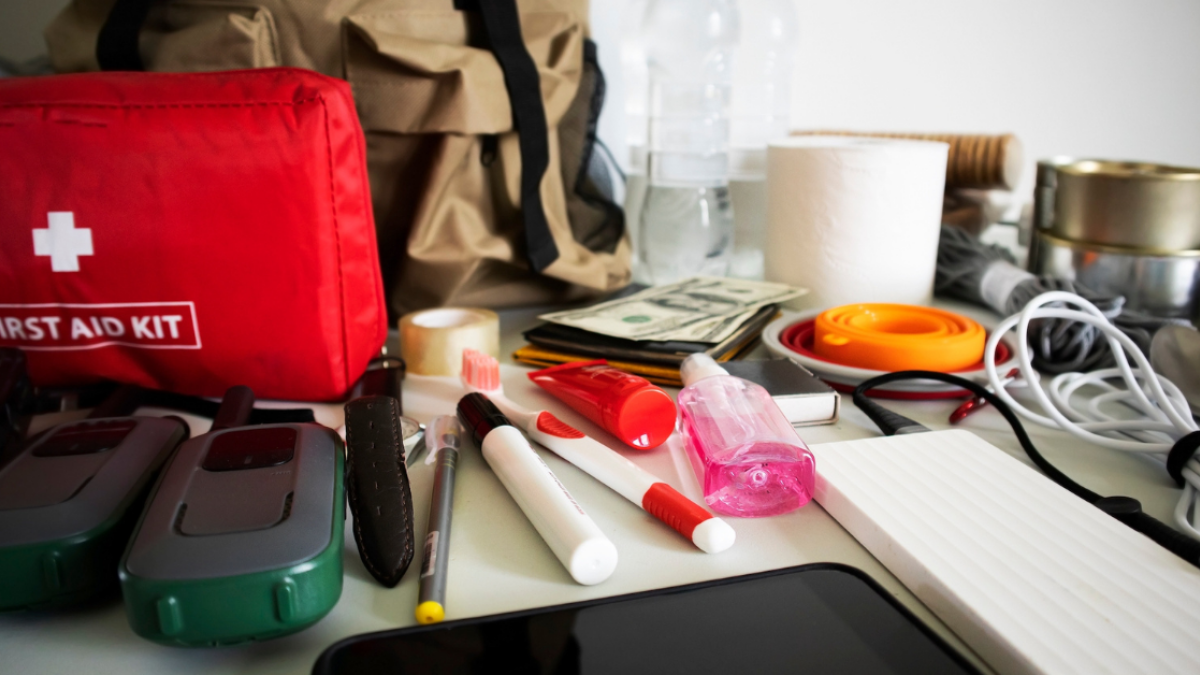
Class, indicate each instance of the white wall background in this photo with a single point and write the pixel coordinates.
(1117, 79)
(1105, 78)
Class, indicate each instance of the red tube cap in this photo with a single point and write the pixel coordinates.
(645, 419)
(627, 406)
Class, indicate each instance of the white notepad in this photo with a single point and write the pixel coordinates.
(1033, 578)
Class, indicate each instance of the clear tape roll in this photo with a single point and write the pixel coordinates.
(432, 340)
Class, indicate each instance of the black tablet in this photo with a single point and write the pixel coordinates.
(811, 619)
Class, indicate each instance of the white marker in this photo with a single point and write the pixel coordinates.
(574, 538)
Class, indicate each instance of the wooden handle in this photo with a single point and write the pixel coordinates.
(980, 161)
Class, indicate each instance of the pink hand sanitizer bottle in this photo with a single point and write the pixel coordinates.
(745, 452)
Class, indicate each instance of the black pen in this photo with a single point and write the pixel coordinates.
(442, 437)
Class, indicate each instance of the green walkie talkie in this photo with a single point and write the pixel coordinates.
(242, 537)
(69, 499)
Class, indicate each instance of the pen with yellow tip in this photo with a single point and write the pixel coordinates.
(442, 437)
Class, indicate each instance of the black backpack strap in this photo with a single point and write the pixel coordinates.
(502, 24)
(117, 44)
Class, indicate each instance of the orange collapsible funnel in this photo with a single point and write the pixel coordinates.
(898, 337)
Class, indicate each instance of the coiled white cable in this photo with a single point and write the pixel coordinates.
(1164, 413)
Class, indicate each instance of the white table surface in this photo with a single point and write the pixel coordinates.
(498, 563)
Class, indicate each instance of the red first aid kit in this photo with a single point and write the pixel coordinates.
(188, 232)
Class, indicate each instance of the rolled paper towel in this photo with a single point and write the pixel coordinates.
(855, 219)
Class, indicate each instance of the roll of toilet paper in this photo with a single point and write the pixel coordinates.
(855, 219)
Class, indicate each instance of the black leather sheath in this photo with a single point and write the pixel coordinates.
(377, 487)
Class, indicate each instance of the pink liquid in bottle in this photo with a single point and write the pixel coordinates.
(746, 454)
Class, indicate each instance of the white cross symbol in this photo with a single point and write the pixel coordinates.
(62, 242)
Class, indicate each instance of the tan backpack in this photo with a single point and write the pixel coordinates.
(441, 87)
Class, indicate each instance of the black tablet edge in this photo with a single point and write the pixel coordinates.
(321, 666)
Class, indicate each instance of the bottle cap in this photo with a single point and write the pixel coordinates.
(643, 419)
(697, 367)
(480, 416)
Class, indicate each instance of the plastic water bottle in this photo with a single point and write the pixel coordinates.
(687, 218)
(636, 92)
(746, 454)
(760, 110)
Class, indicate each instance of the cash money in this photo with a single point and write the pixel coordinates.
(700, 309)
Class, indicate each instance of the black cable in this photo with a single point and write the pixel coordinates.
(202, 407)
(122, 402)
(1125, 509)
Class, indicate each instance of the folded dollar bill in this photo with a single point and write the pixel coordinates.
(700, 309)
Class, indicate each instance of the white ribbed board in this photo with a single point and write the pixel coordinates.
(1033, 578)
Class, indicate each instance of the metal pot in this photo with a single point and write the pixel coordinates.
(1157, 283)
(1132, 204)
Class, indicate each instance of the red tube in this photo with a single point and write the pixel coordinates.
(627, 406)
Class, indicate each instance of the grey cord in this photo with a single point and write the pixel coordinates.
(1058, 346)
